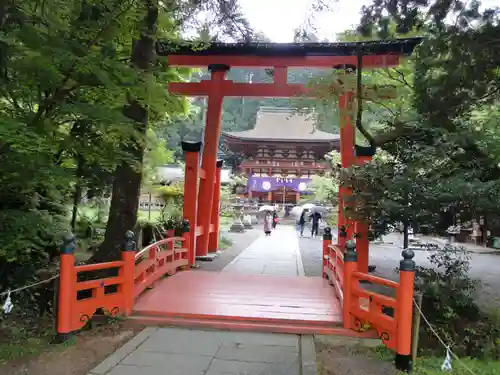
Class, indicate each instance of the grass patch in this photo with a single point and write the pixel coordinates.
(432, 365)
(144, 214)
(225, 220)
(18, 342)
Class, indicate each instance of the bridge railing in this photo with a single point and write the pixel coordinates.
(112, 287)
(161, 258)
(334, 270)
(390, 316)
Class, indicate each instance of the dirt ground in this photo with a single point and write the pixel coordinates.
(344, 356)
(77, 357)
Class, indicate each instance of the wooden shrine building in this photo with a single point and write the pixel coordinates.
(281, 154)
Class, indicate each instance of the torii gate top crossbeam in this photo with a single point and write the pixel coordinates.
(375, 54)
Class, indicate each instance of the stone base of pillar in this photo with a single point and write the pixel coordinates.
(237, 228)
(247, 222)
(207, 258)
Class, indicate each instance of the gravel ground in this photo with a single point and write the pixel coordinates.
(240, 242)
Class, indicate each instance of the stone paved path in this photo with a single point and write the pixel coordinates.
(277, 254)
(176, 351)
(240, 241)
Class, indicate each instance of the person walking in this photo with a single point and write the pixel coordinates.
(268, 223)
(275, 219)
(302, 222)
(315, 217)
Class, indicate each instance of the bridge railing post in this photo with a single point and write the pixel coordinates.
(67, 287)
(404, 311)
(350, 266)
(127, 272)
(327, 241)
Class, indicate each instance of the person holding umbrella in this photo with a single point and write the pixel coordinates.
(302, 222)
(315, 217)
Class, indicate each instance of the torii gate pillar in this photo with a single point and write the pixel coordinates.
(209, 157)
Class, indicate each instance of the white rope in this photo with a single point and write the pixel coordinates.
(28, 286)
(447, 361)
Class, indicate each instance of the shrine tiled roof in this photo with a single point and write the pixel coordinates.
(283, 125)
(371, 47)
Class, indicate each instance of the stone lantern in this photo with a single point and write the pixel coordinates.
(247, 217)
(237, 225)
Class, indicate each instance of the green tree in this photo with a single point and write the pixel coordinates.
(67, 70)
(60, 78)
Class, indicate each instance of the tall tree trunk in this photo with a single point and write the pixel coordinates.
(77, 194)
(127, 177)
(406, 237)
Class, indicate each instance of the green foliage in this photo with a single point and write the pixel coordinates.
(449, 304)
(226, 197)
(171, 194)
(156, 155)
(171, 215)
(437, 160)
(432, 366)
(323, 190)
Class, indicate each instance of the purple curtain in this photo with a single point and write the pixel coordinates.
(264, 184)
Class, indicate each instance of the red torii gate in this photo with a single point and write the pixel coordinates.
(202, 204)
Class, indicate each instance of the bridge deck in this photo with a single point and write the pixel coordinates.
(239, 299)
(262, 289)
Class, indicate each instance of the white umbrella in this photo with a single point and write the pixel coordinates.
(308, 206)
(297, 211)
(266, 208)
(319, 209)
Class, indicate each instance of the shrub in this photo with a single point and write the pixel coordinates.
(449, 303)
